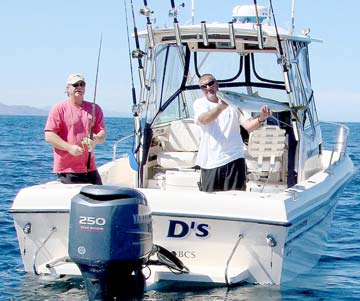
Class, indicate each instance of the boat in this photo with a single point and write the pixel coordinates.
(268, 234)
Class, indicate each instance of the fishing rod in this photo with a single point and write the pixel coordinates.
(94, 106)
(281, 51)
(136, 54)
(259, 27)
(135, 110)
(133, 91)
(173, 13)
(147, 12)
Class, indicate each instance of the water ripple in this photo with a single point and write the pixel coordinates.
(27, 160)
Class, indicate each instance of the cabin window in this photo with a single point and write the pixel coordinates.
(250, 73)
(224, 66)
(265, 69)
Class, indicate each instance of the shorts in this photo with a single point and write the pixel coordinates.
(91, 177)
(231, 176)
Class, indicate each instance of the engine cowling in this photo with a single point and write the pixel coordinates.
(110, 238)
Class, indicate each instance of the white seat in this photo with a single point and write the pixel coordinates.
(265, 154)
(180, 146)
(177, 159)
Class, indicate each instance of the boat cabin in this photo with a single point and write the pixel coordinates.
(283, 152)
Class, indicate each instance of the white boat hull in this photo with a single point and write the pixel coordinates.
(221, 237)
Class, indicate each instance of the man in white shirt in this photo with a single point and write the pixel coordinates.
(221, 150)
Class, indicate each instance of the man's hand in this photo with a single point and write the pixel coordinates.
(90, 143)
(222, 104)
(265, 113)
(75, 150)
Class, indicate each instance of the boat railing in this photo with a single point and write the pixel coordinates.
(115, 146)
(339, 146)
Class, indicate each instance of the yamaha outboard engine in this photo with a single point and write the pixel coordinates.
(110, 238)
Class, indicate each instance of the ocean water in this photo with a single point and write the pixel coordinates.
(26, 159)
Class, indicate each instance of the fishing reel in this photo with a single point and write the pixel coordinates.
(173, 13)
(137, 54)
(306, 32)
(146, 11)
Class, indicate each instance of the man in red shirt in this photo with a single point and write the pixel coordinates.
(68, 130)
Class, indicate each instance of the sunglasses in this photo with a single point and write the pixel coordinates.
(81, 84)
(209, 84)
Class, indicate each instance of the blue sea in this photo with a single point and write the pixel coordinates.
(26, 159)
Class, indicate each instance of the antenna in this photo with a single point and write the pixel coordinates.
(192, 12)
(269, 15)
(292, 18)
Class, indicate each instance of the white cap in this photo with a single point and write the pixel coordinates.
(74, 78)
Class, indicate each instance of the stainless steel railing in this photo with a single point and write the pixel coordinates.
(339, 146)
(117, 142)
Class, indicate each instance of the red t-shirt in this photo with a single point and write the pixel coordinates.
(72, 123)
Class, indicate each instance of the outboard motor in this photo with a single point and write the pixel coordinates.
(110, 238)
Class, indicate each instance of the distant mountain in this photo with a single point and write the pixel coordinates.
(28, 110)
(21, 110)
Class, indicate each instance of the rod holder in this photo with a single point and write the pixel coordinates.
(177, 33)
(151, 35)
(142, 83)
(204, 33)
(342, 138)
(260, 36)
(295, 130)
(231, 34)
(142, 77)
(287, 82)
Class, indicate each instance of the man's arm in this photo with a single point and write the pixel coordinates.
(99, 137)
(256, 122)
(252, 124)
(211, 115)
(55, 140)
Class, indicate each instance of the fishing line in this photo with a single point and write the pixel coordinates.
(130, 59)
(93, 105)
(136, 54)
(285, 68)
(276, 30)
(133, 91)
(282, 122)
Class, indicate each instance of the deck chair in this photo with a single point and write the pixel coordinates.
(265, 155)
(180, 146)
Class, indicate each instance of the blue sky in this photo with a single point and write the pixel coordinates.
(43, 41)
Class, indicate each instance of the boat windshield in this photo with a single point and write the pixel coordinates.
(168, 66)
(300, 76)
(177, 72)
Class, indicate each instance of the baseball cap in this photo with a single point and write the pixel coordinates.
(74, 78)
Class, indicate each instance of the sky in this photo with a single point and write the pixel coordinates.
(43, 41)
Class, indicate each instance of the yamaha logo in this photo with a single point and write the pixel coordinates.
(81, 250)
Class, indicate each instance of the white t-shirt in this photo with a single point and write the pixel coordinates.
(221, 141)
